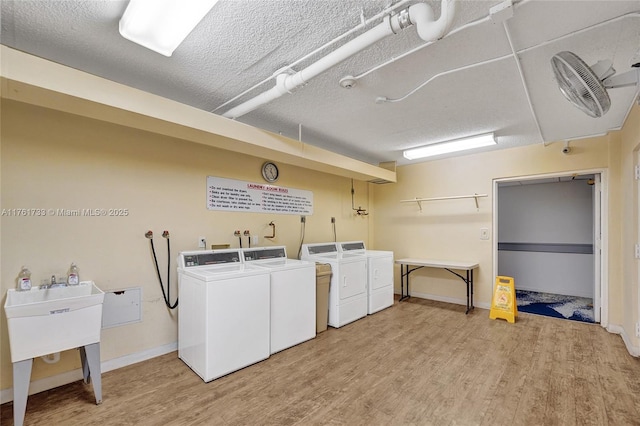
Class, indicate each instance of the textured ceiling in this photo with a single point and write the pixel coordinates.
(243, 42)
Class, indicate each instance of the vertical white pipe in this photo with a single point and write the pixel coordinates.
(422, 16)
(51, 358)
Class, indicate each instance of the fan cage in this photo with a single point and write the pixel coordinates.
(579, 84)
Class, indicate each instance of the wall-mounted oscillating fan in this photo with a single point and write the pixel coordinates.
(585, 86)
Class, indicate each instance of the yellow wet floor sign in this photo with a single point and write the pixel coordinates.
(503, 303)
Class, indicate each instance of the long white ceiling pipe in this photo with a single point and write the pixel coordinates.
(325, 46)
(420, 15)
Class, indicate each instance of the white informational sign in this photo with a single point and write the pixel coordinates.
(240, 196)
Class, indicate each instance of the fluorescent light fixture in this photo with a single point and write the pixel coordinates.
(472, 142)
(161, 25)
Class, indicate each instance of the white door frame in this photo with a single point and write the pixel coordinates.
(601, 281)
(597, 245)
(637, 164)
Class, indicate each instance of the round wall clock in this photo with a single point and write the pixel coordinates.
(270, 172)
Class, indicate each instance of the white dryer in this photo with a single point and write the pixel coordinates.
(293, 295)
(379, 274)
(348, 288)
(223, 319)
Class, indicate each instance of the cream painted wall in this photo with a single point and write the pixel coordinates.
(630, 215)
(56, 160)
(451, 229)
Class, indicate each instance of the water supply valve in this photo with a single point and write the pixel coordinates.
(239, 235)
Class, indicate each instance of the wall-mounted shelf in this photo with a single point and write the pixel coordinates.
(455, 197)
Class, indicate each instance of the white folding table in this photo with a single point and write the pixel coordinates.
(407, 266)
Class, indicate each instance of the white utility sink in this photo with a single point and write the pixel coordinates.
(45, 321)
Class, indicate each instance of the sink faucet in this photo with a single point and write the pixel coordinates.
(53, 283)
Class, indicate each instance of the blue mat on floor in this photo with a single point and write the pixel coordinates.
(555, 305)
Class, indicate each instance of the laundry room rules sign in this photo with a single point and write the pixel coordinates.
(240, 196)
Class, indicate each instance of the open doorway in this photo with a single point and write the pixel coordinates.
(548, 237)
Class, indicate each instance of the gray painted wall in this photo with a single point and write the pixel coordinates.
(550, 213)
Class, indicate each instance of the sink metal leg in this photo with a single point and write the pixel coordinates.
(86, 374)
(92, 355)
(21, 379)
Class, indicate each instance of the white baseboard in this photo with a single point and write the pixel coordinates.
(36, 386)
(447, 299)
(618, 329)
(123, 361)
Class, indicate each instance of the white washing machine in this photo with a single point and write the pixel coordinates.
(223, 318)
(348, 288)
(379, 274)
(293, 295)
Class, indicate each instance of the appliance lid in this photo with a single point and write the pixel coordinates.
(223, 271)
(378, 253)
(285, 264)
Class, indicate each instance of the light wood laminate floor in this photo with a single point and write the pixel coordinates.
(419, 362)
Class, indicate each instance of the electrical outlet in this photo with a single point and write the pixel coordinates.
(638, 329)
(484, 233)
(202, 242)
(254, 240)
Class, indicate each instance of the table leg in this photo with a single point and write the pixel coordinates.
(472, 306)
(404, 277)
(402, 267)
(21, 379)
(469, 282)
(468, 291)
